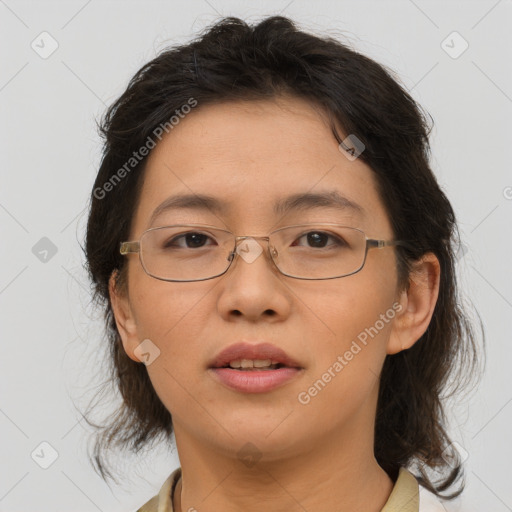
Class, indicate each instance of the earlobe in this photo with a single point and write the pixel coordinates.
(123, 315)
(417, 304)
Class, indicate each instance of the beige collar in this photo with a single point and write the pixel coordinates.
(403, 498)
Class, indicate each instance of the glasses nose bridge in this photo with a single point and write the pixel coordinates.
(272, 251)
(245, 237)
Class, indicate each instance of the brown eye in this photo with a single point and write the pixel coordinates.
(191, 240)
(319, 239)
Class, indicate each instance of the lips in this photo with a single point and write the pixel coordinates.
(246, 379)
(261, 351)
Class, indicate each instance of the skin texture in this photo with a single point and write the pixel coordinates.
(317, 456)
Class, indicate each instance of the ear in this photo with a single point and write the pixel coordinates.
(417, 304)
(123, 314)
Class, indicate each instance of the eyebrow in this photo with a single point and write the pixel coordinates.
(299, 201)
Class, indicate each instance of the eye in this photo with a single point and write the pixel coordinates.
(191, 239)
(318, 239)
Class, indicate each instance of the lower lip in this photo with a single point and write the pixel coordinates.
(255, 381)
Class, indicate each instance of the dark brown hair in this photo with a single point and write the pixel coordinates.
(232, 60)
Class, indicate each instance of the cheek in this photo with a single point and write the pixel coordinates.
(173, 317)
(346, 307)
(356, 324)
(342, 383)
(162, 309)
(356, 316)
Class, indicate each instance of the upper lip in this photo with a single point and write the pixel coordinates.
(244, 350)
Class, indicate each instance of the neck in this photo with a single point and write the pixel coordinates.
(335, 475)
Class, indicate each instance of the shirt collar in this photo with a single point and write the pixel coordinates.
(405, 494)
(403, 498)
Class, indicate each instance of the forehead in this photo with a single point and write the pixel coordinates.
(254, 158)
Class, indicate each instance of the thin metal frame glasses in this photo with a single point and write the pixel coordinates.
(354, 244)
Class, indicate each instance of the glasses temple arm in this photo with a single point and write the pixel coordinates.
(387, 243)
(129, 247)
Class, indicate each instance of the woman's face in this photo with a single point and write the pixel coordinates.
(249, 156)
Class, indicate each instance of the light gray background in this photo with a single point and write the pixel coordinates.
(51, 337)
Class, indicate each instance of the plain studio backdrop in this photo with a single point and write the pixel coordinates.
(64, 62)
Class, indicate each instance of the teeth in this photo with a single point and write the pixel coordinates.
(250, 363)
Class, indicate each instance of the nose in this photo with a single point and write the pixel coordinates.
(253, 287)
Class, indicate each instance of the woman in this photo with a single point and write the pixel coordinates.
(276, 263)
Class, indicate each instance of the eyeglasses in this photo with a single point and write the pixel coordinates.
(197, 252)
